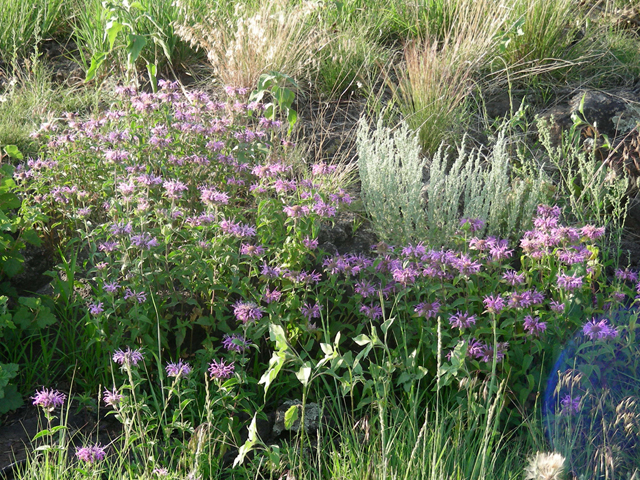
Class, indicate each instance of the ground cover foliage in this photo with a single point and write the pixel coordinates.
(193, 288)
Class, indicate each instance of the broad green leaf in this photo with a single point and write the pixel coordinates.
(13, 152)
(362, 339)
(12, 399)
(135, 46)
(290, 416)
(304, 373)
(387, 324)
(112, 29)
(276, 334)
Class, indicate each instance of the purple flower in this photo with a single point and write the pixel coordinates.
(556, 306)
(141, 297)
(427, 310)
(252, 250)
(128, 357)
(108, 246)
(178, 369)
(473, 224)
(296, 211)
(311, 244)
(322, 169)
(626, 275)
(112, 398)
(569, 283)
(365, 288)
(220, 370)
(235, 343)
(513, 278)
(324, 209)
(570, 405)
(592, 232)
(121, 228)
(49, 399)
(92, 454)
(311, 311)
(462, 320)
(144, 240)
(237, 229)
(111, 287)
(246, 312)
(484, 352)
(599, 330)
(211, 196)
(96, 308)
(534, 326)
(494, 304)
(373, 312)
(271, 296)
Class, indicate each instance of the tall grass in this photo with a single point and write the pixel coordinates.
(24, 23)
(241, 45)
(440, 71)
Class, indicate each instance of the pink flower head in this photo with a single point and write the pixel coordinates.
(92, 454)
(220, 370)
(49, 399)
(494, 304)
(534, 326)
(112, 398)
(247, 312)
(462, 320)
(599, 330)
(128, 357)
(179, 369)
(235, 343)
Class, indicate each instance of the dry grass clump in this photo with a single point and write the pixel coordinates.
(241, 45)
(440, 72)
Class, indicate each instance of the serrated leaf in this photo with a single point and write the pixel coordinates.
(290, 417)
(12, 399)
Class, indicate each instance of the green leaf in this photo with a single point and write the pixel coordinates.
(290, 416)
(96, 61)
(276, 334)
(275, 365)
(11, 400)
(248, 445)
(387, 324)
(13, 152)
(362, 339)
(135, 46)
(112, 29)
(304, 373)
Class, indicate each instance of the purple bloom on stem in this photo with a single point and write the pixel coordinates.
(592, 232)
(235, 343)
(556, 306)
(427, 310)
(271, 296)
(246, 312)
(311, 311)
(180, 369)
(92, 454)
(296, 211)
(373, 312)
(474, 224)
(569, 283)
(534, 326)
(108, 246)
(252, 250)
(141, 297)
(365, 288)
(112, 398)
(96, 308)
(626, 275)
(127, 357)
(570, 405)
(513, 278)
(220, 370)
(494, 304)
(462, 320)
(599, 330)
(48, 399)
(310, 243)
